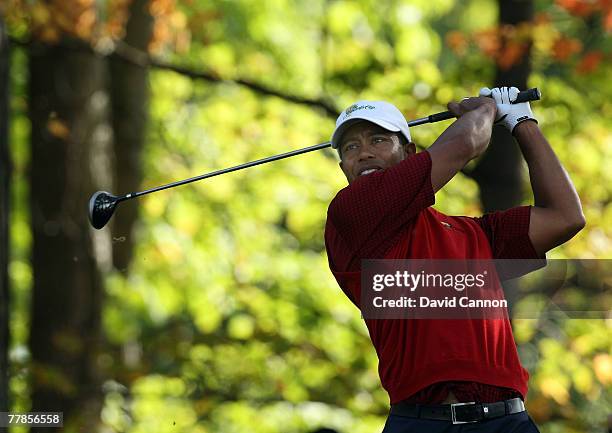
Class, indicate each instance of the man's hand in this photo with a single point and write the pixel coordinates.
(469, 104)
(508, 114)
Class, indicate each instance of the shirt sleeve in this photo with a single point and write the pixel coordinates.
(370, 212)
(508, 233)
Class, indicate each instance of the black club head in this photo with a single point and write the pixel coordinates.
(101, 208)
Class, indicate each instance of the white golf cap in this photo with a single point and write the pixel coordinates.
(382, 113)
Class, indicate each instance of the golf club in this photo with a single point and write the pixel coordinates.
(102, 204)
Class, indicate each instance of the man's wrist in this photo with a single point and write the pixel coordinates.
(525, 127)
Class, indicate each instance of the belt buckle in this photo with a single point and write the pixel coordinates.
(454, 415)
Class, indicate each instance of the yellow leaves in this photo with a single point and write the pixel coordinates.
(40, 14)
(524, 329)
(342, 16)
(155, 205)
(539, 408)
(205, 305)
(556, 388)
(416, 44)
(602, 366)
(241, 327)
(161, 405)
(583, 379)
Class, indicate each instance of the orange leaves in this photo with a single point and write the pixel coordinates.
(585, 8)
(506, 45)
(511, 54)
(89, 20)
(58, 128)
(564, 47)
(580, 8)
(118, 12)
(170, 26)
(488, 42)
(589, 62)
(50, 19)
(159, 8)
(457, 42)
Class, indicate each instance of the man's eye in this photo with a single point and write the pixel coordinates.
(350, 147)
(379, 139)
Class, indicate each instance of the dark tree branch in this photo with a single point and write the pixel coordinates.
(140, 58)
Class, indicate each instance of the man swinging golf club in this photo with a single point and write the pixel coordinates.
(385, 213)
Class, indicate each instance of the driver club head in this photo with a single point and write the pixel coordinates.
(101, 207)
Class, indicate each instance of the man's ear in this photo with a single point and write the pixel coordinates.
(409, 148)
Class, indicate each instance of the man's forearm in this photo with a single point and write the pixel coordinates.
(552, 186)
(464, 140)
(470, 134)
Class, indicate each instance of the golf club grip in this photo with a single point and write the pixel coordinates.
(528, 95)
(524, 96)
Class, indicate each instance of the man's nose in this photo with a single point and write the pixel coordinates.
(366, 151)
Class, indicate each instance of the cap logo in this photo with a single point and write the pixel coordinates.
(356, 107)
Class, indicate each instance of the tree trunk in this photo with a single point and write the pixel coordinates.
(129, 92)
(68, 113)
(498, 173)
(5, 173)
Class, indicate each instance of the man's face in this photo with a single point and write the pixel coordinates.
(366, 147)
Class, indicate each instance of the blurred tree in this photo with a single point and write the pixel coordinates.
(129, 94)
(499, 172)
(5, 174)
(68, 113)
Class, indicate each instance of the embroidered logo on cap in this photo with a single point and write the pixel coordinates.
(356, 107)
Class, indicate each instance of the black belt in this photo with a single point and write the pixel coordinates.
(459, 413)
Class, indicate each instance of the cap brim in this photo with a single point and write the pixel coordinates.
(337, 135)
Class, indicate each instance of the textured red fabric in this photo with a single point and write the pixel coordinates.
(387, 215)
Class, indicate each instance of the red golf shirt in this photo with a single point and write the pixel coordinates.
(386, 214)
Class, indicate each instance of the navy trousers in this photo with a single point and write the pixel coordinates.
(516, 423)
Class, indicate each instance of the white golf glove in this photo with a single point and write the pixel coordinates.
(508, 114)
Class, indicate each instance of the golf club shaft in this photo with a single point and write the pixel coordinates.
(228, 170)
(526, 95)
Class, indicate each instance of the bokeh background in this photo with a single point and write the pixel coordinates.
(210, 307)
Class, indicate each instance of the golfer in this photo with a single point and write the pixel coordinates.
(442, 373)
